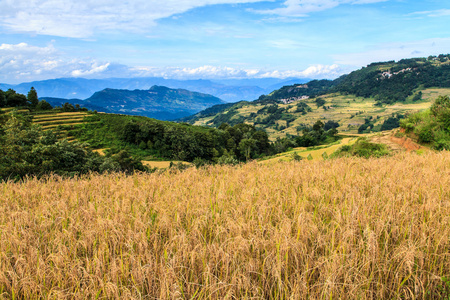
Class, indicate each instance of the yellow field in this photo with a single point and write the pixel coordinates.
(52, 120)
(58, 121)
(162, 164)
(344, 228)
(52, 115)
(316, 154)
(433, 93)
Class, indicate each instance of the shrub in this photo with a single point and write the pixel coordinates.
(362, 148)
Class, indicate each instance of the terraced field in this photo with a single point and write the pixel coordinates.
(348, 110)
(61, 122)
(316, 153)
(53, 120)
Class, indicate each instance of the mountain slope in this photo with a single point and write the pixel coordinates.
(370, 99)
(158, 102)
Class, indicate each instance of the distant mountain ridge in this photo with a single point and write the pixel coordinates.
(230, 90)
(157, 102)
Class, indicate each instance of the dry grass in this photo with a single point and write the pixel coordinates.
(162, 164)
(345, 229)
(52, 115)
(59, 121)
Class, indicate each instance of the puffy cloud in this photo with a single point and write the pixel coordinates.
(301, 8)
(95, 68)
(81, 19)
(213, 72)
(315, 71)
(23, 62)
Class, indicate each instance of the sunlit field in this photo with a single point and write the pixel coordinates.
(336, 229)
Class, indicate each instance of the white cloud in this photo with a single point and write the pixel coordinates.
(301, 8)
(23, 62)
(214, 72)
(81, 19)
(433, 13)
(395, 51)
(94, 69)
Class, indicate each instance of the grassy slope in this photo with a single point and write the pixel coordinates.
(351, 228)
(348, 110)
(315, 152)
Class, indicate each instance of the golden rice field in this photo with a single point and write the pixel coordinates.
(345, 228)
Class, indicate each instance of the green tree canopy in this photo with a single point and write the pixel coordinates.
(32, 98)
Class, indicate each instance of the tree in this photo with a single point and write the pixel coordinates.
(68, 107)
(32, 98)
(130, 131)
(441, 110)
(246, 147)
(320, 102)
(330, 124)
(44, 105)
(13, 99)
(2, 99)
(318, 126)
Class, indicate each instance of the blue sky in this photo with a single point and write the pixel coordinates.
(186, 39)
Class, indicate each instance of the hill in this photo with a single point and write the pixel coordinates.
(373, 98)
(157, 102)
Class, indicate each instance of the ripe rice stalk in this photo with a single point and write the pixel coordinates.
(341, 228)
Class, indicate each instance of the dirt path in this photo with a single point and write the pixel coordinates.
(396, 144)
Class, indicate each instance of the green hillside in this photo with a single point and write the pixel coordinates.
(371, 99)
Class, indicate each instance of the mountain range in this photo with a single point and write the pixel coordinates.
(229, 90)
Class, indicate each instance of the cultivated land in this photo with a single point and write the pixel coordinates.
(345, 228)
(350, 111)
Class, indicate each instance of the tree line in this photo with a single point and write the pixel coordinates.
(11, 98)
(28, 150)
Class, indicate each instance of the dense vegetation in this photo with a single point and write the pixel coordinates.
(312, 88)
(362, 148)
(431, 126)
(12, 99)
(27, 150)
(391, 82)
(151, 139)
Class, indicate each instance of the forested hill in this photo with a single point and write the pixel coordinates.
(386, 82)
(158, 102)
(390, 82)
(371, 99)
